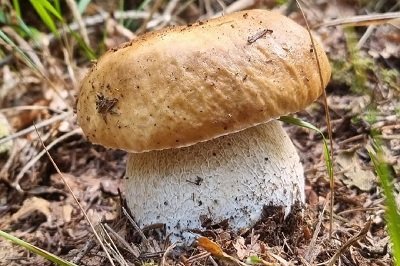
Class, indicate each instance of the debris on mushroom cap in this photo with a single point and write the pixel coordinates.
(187, 84)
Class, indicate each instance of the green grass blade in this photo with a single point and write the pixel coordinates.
(17, 7)
(26, 58)
(82, 5)
(43, 253)
(45, 16)
(391, 212)
(49, 7)
(300, 123)
(57, 6)
(90, 54)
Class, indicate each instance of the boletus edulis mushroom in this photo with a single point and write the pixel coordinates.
(195, 107)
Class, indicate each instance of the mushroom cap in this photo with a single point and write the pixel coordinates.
(187, 84)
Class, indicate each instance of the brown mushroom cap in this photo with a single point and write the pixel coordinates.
(187, 84)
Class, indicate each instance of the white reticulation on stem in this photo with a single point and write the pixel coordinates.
(231, 177)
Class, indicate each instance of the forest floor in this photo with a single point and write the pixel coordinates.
(40, 82)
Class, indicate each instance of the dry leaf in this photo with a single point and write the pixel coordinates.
(211, 247)
(355, 175)
(217, 251)
(31, 205)
(67, 212)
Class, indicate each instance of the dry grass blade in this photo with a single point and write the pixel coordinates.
(363, 20)
(328, 121)
(153, 10)
(75, 198)
(112, 247)
(25, 46)
(140, 232)
(236, 6)
(167, 251)
(126, 245)
(39, 155)
(349, 243)
(24, 108)
(310, 253)
(30, 129)
(200, 256)
(75, 12)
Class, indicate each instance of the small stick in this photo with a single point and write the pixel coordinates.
(75, 198)
(349, 243)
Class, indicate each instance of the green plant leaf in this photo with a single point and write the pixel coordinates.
(41, 252)
(392, 213)
(45, 16)
(86, 49)
(298, 122)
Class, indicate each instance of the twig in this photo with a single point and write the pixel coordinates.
(25, 108)
(153, 10)
(281, 260)
(137, 228)
(88, 246)
(365, 36)
(68, 63)
(198, 257)
(362, 20)
(349, 243)
(236, 6)
(34, 127)
(328, 121)
(123, 241)
(167, 251)
(117, 255)
(27, 166)
(214, 263)
(169, 10)
(81, 25)
(75, 198)
(5, 170)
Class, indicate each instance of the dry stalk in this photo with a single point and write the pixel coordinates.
(75, 12)
(362, 20)
(75, 198)
(27, 166)
(328, 122)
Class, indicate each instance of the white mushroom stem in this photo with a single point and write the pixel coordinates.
(231, 177)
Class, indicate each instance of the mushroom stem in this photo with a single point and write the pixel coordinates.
(231, 177)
